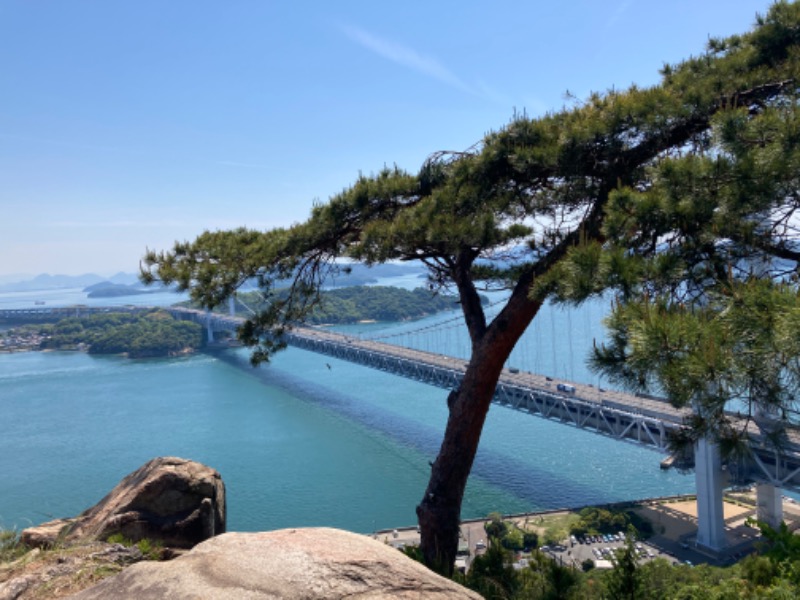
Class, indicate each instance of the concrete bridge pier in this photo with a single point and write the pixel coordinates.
(709, 480)
(769, 499)
(769, 504)
(232, 305)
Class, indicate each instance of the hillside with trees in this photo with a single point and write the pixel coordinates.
(151, 334)
(772, 574)
(362, 303)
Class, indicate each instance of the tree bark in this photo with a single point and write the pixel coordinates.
(439, 513)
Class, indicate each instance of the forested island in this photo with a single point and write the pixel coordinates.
(157, 333)
(362, 303)
(107, 289)
(152, 334)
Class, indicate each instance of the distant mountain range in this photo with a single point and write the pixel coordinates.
(115, 285)
(55, 282)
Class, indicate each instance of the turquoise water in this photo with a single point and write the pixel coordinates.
(307, 440)
(72, 296)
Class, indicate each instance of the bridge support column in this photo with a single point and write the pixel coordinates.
(209, 331)
(232, 305)
(769, 505)
(709, 482)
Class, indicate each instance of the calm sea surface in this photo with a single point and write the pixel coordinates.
(304, 441)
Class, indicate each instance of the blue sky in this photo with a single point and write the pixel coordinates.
(131, 124)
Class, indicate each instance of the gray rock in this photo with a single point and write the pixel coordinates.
(306, 564)
(175, 501)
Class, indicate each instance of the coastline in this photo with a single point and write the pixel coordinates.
(674, 519)
(176, 354)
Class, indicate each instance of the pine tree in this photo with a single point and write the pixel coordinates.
(508, 213)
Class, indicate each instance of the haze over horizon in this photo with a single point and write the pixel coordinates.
(129, 125)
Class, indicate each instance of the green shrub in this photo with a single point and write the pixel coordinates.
(151, 550)
(10, 546)
(530, 540)
(495, 527)
(118, 538)
(513, 539)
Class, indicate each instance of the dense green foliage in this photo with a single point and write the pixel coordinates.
(625, 580)
(379, 303)
(364, 303)
(597, 520)
(508, 535)
(492, 576)
(759, 576)
(658, 192)
(735, 351)
(704, 259)
(151, 334)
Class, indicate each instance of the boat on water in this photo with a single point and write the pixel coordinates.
(39, 302)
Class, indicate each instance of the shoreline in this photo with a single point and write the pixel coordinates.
(564, 510)
(177, 354)
(674, 520)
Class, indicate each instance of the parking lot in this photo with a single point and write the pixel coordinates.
(574, 553)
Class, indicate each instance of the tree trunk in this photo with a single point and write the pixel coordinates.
(439, 513)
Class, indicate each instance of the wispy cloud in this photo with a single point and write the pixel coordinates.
(621, 9)
(406, 57)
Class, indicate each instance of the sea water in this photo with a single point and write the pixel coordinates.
(306, 440)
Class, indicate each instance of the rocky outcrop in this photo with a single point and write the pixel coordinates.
(174, 501)
(287, 564)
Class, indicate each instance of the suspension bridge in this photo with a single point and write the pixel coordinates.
(639, 419)
(634, 418)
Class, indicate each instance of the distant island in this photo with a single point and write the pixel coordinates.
(378, 303)
(141, 335)
(156, 333)
(355, 304)
(106, 289)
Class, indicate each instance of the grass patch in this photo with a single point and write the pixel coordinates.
(10, 546)
(552, 529)
(107, 570)
(151, 550)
